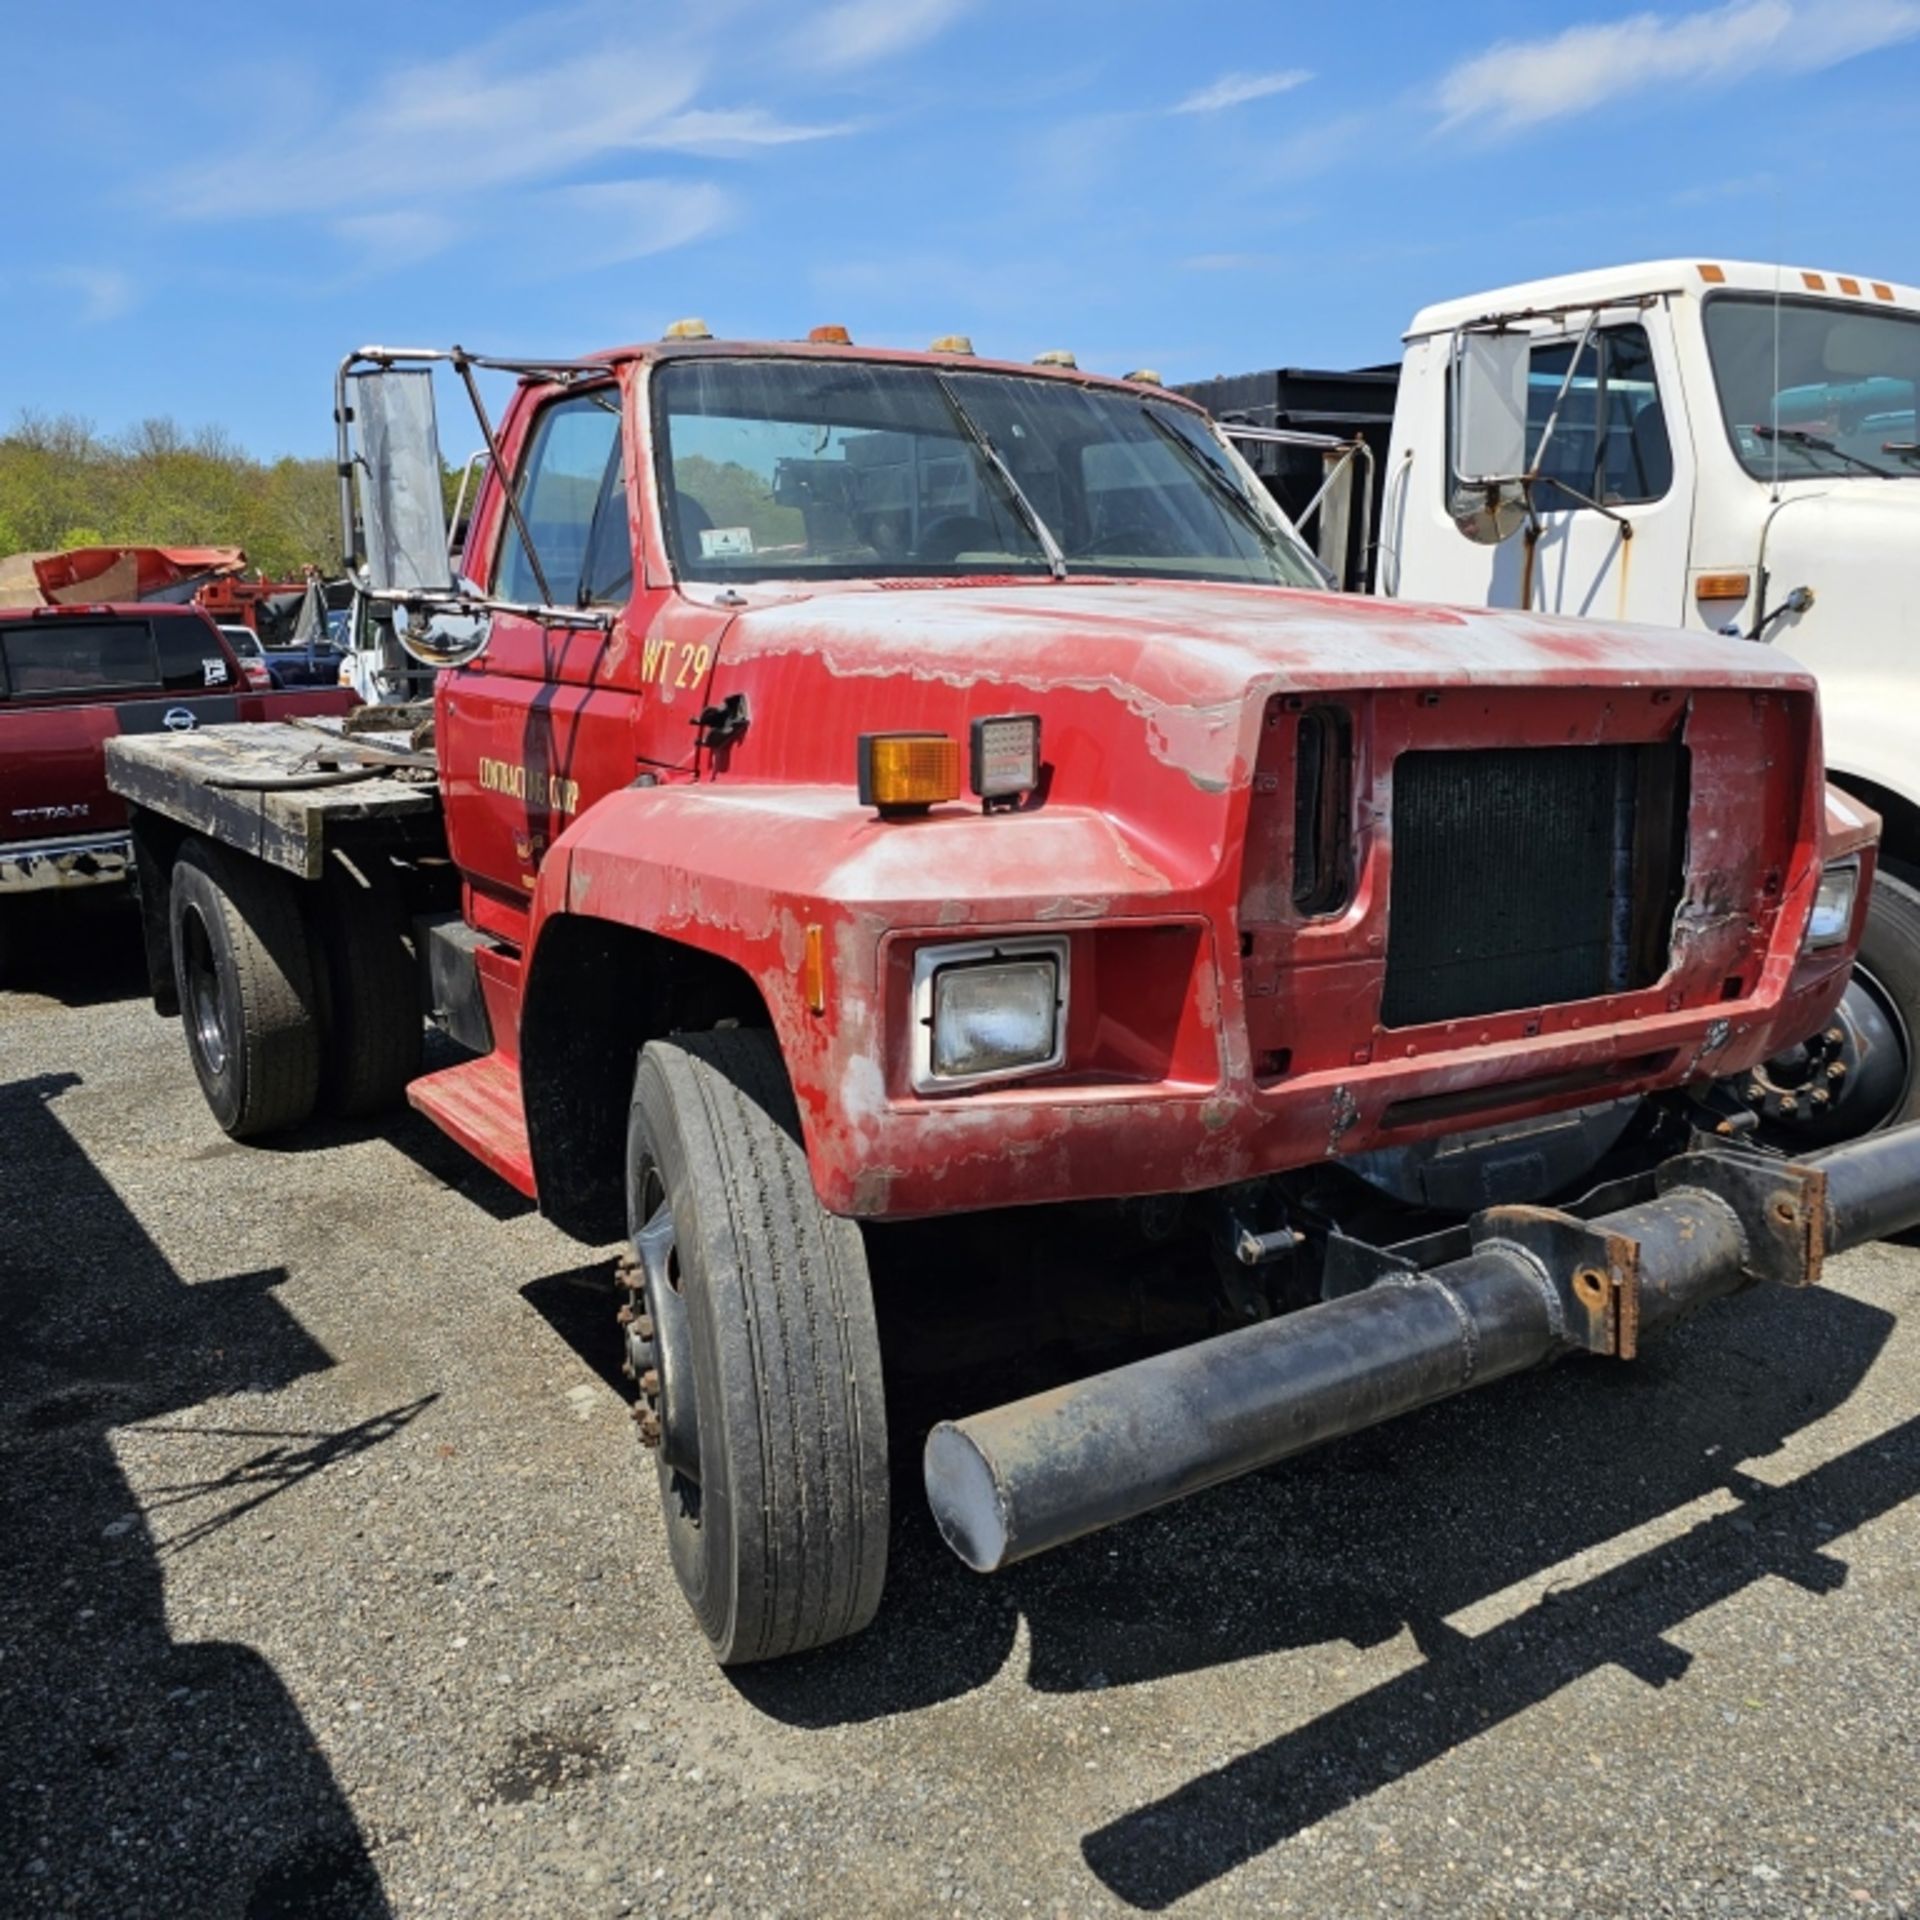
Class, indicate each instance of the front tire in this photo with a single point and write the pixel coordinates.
(245, 978)
(758, 1354)
(1888, 967)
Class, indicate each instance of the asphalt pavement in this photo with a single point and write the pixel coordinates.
(332, 1583)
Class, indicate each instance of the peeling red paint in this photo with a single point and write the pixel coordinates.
(1215, 1032)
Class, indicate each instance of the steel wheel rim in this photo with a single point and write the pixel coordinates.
(204, 1008)
(665, 1352)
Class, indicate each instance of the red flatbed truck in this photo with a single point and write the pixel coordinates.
(867, 786)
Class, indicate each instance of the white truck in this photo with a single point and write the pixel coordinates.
(1704, 444)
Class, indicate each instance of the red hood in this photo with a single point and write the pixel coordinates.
(1197, 662)
(1202, 645)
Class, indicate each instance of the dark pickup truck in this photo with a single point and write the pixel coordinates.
(71, 678)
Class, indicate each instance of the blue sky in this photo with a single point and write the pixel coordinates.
(219, 200)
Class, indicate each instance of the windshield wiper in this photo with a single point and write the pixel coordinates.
(1056, 559)
(1903, 449)
(1800, 437)
(1222, 484)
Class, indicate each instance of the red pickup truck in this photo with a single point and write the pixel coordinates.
(73, 677)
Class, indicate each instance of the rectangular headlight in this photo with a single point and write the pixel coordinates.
(988, 1010)
(1832, 914)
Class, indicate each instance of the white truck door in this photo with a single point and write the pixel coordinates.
(1614, 492)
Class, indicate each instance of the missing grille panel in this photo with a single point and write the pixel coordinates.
(1531, 876)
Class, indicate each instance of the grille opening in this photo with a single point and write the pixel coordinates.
(1531, 876)
(1322, 810)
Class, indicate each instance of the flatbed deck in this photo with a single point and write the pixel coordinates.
(248, 786)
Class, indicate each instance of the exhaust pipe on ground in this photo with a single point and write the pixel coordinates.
(1036, 1473)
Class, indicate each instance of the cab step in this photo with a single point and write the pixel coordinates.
(478, 1104)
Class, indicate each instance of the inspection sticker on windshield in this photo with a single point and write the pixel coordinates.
(725, 543)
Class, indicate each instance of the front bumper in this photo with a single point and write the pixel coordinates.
(1536, 1284)
(41, 866)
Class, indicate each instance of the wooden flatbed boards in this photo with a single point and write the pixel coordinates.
(247, 787)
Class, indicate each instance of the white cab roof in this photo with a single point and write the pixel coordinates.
(1607, 286)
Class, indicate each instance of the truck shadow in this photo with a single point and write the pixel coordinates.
(81, 949)
(1470, 1684)
(1389, 1532)
(140, 1773)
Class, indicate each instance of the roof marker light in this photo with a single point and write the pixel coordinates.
(1055, 357)
(1713, 276)
(1881, 291)
(1145, 376)
(952, 343)
(1848, 286)
(1812, 282)
(829, 337)
(689, 329)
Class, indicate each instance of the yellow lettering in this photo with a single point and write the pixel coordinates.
(509, 778)
(653, 662)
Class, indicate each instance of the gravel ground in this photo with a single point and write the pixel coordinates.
(331, 1586)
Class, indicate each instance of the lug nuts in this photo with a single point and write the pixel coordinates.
(1838, 1071)
(650, 1380)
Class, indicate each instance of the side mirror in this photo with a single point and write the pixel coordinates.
(1490, 407)
(403, 509)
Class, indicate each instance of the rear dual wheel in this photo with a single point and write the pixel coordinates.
(752, 1335)
(292, 997)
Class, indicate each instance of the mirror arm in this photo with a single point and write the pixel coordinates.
(1559, 400)
(482, 603)
(464, 367)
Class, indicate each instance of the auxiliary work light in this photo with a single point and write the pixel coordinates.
(1004, 757)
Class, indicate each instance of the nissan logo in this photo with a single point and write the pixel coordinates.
(178, 719)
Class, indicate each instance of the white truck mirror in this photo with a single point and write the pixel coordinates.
(1490, 407)
(403, 510)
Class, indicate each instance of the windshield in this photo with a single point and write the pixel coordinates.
(1835, 399)
(835, 469)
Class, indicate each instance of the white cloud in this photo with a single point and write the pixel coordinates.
(612, 221)
(728, 133)
(397, 239)
(1522, 83)
(556, 93)
(1236, 89)
(105, 293)
(552, 231)
(855, 33)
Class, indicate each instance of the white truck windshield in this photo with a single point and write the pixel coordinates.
(1832, 395)
(775, 469)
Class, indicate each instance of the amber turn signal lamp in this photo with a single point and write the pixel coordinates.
(1723, 586)
(908, 772)
(813, 970)
(829, 337)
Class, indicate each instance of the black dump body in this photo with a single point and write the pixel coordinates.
(1307, 400)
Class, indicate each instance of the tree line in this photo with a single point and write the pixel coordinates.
(64, 485)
